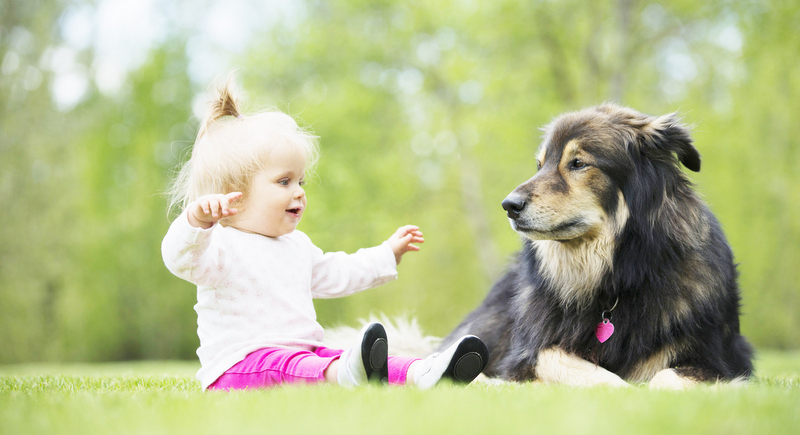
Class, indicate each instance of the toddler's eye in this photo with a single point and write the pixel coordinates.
(283, 181)
(302, 182)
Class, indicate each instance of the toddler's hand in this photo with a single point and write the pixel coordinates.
(208, 209)
(401, 241)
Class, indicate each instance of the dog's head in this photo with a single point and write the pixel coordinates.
(596, 167)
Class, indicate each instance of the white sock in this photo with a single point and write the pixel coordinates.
(351, 369)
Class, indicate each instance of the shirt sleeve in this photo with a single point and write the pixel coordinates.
(336, 274)
(189, 253)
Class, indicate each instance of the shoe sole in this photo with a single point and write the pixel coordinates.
(374, 353)
(468, 360)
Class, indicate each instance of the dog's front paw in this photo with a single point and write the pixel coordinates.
(555, 366)
(669, 379)
(609, 379)
(485, 380)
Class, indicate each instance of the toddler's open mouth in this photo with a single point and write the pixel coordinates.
(295, 211)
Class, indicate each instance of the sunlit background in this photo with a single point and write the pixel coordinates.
(428, 112)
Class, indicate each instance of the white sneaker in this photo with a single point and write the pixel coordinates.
(366, 362)
(461, 363)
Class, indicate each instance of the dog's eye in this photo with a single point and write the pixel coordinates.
(577, 164)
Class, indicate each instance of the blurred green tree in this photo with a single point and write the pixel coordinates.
(428, 113)
(37, 167)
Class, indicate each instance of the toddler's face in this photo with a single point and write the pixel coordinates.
(278, 200)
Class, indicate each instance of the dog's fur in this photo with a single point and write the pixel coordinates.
(609, 218)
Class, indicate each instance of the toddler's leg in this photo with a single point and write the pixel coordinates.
(367, 360)
(398, 369)
(270, 367)
(462, 363)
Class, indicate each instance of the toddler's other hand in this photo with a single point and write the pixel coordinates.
(402, 239)
(208, 209)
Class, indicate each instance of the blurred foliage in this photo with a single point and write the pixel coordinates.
(428, 113)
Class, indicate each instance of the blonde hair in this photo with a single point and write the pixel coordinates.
(231, 148)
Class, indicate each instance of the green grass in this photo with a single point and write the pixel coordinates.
(164, 397)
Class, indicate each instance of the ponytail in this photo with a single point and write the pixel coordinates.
(224, 103)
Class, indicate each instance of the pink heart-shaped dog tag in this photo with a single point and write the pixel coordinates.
(604, 330)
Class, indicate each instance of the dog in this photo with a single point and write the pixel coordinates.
(625, 275)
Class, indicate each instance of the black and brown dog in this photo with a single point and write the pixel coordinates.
(614, 235)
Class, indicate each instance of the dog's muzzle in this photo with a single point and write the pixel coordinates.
(514, 205)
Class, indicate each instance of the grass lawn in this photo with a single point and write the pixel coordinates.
(164, 397)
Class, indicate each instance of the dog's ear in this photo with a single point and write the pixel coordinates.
(666, 133)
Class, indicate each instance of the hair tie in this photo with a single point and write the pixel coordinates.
(240, 117)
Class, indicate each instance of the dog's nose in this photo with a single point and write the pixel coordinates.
(513, 205)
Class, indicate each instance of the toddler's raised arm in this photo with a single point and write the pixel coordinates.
(337, 274)
(186, 248)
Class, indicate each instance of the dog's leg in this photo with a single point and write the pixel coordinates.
(554, 366)
(681, 378)
(485, 380)
(669, 379)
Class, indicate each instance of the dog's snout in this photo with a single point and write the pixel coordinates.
(514, 205)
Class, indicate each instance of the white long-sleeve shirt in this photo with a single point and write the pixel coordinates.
(255, 292)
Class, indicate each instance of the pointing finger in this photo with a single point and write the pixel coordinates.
(234, 196)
